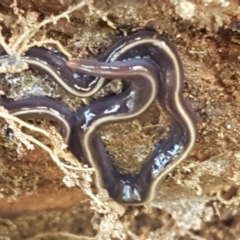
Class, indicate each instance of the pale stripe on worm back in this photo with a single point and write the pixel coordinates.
(152, 64)
(169, 152)
(48, 108)
(54, 64)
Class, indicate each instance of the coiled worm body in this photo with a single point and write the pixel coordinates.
(169, 152)
(151, 63)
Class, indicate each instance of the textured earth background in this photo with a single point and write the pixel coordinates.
(200, 198)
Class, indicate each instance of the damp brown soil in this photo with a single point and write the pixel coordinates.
(200, 198)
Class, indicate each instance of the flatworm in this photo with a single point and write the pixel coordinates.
(152, 65)
(168, 152)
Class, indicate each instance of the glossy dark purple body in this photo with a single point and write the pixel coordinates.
(152, 65)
